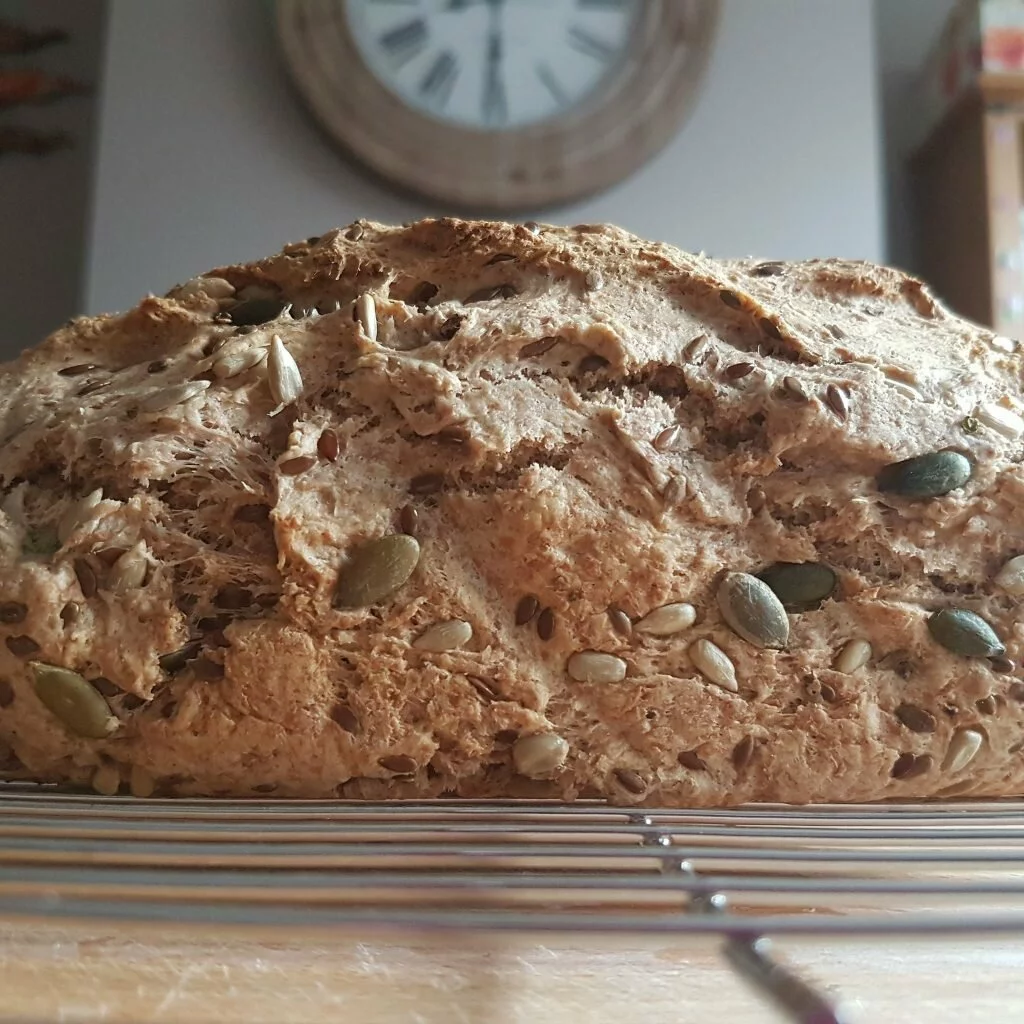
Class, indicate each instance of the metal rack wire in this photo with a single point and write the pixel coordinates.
(745, 875)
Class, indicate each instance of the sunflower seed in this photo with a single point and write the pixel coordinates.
(668, 619)
(770, 327)
(546, 624)
(538, 756)
(69, 697)
(1011, 576)
(366, 314)
(233, 596)
(965, 633)
(77, 513)
(400, 764)
(772, 269)
(987, 705)
(69, 613)
(355, 231)
(91, 387)
(592, 363)
(752, 610)
(6, 694)
(376, 570)
(22, 646)
(484, 689)
(141, 784)
(738, 370)
(620, 621)
(235, 363)
(12, 612)
(344, 716)
(596, 667)
(836, 400)
(409, 520)
(129, 571)
(714, 664)
(916, 719)
(175, 661)
(444, 636)
(743, 753)
(962, 750)
(293, 467)
(794, 387)
(800, 586)
(854, 655)
(692, 760)
(926, 476)
(178, 394)
(498, 291)
(668, 439)
(631, 781)
(252, 312)
(1001, 420)
(327, 446)
(756, 499)
(526, 609)
(284, 377)
(910, 766)
(594, 280)
(731, 299)
(1000, 665)
(674, 491)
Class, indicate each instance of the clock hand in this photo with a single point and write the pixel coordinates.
(495, 108)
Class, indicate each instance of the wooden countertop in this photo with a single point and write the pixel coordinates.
(76, 974)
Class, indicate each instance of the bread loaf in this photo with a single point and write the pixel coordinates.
(498, 510)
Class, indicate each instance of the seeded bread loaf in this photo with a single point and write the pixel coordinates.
(493, 510)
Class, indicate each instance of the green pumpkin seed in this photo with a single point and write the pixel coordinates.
(74, 700)
(752, 610)
(377, 570)
(926, 476)
(963, 632)
(800, 586)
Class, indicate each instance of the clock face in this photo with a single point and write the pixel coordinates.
(493, 65)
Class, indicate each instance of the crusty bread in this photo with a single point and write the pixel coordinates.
(413, 546)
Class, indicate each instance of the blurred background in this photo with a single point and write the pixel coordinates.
(142, 143)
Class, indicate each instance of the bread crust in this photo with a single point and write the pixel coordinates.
(579, 427)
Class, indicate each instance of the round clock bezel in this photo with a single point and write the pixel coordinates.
(613, 132)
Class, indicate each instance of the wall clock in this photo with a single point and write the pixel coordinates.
(499, 104)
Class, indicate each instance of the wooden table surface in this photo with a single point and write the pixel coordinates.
(117, 974)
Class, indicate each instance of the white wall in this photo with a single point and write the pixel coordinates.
(205, 155)
(907, 29)
(44, 201)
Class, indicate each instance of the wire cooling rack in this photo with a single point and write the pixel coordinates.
(744, 875)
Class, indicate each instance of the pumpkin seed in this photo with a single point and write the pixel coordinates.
(1001, 420)
(1011, 576)
(540, 755)
(916, 719)
(596, 667)
(962, 750)
(965, 633)
(77, 513)
(40, 542)
(69, 697)
(106, 780)
(714, 664)
(926, 476)
(255, 311)
(854, 655)
(175, 661)
(444, 636)
(752, 610)
(800, 586)
(376, 570)
(283, 375)
(668, 619)
(631, 781)
(526, 609)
